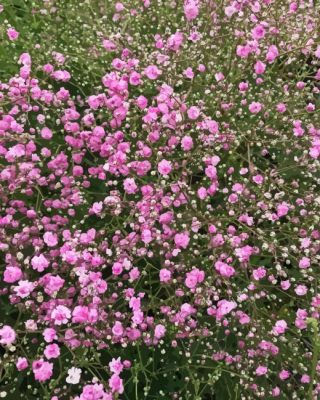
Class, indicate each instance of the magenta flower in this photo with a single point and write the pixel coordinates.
(182, 240)
(42, 370)
(164, 167)
(152, 72)
(12, 34)
(7, 335)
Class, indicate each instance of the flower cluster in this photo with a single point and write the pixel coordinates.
(168, 218)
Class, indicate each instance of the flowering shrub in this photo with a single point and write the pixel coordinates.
(159, 222)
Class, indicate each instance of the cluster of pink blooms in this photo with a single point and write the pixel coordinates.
(157, 211)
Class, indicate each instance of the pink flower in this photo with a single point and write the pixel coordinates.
(258, 32)
(42, 370)
(50, 239)
(39, 263)
(109, 45)
(142, 102)
(24, 288)
(31, 325)
(304, 263)
(259, 273)
(300, 323)
(165, 275)
(243, 318)
(243, 171)
(50, 335)
(243, 86)
(93, 392)
(259, 67)
(281, 107)
(12, 274)
(202, 193)
(305, 378)
(61, 75)
(146, 236)
(261, 370)
(80, 314)
(152, 72)
(293, 7)
(135, 78)
(182, 240)
(282, 209)
(48, 68)
(96, 208)
(194, 277)
(193, 112)
(187, 143)
(119, 7)
(191, 9)
(272, 54)
(212, 126)
(164, 167)
(283, 375)
(117, 268)
(52, 351)
(166, 217)
(298, 130)
(116, 384)
(61, 315)
(7, 335)
(225, 307)
(244, 253)
(285, 285)
(159, 331)
(219, 76)
(255, 107)
(224, 269)
(116, 366)
(280, 327)
(211, 172)
(258, 179)
(130, 186)
(12, 34)
(175, 41)
(188, 73)
(243, 51)
(233, 198)
(46, 133)
(22, 363)
(301, 290)
(229, 11)
(117, 329)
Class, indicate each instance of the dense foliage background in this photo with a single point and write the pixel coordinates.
(159, 193)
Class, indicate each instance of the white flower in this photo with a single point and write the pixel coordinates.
(74, 375)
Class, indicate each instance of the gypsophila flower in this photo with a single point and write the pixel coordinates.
(74, 375)
(159, 199)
